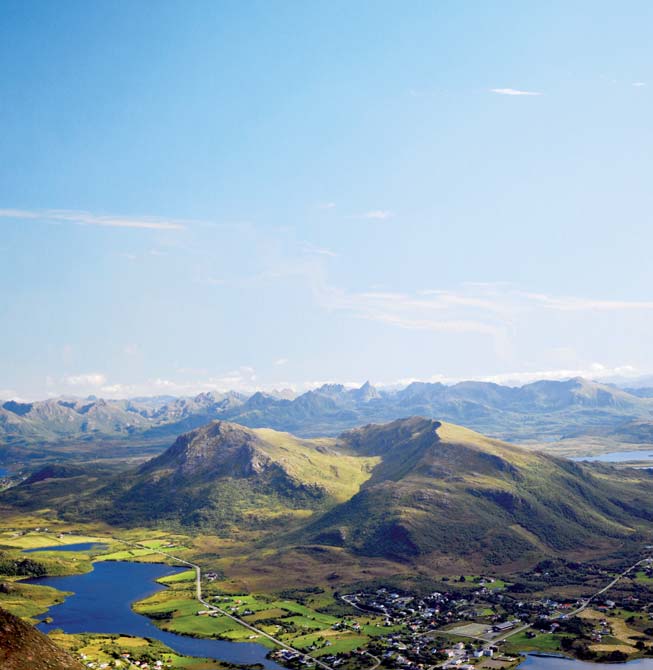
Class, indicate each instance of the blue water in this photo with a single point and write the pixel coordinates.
(80, 546)
(618, 457)
(101, 604)
(535, 662)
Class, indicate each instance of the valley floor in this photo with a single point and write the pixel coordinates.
(377, 619)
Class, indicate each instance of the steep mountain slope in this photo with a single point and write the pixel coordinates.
(22, 647)
(414, 489)
(443, 490)
(230, 478)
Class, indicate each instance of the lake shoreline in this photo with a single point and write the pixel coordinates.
(117, 585)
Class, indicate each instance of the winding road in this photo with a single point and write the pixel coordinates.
(585, 603)
(215, 608)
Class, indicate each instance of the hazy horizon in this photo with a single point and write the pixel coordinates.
(624, 379)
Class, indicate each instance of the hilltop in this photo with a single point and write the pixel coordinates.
(443, 491)
(22, 647)
(221, 476)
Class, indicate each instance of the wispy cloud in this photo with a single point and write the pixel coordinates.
(378, 214)
(444, 312)
(326, 205)
(639, 84)
(309, 248)
(86, 379)
(281, 361)
(82, 218)
(594, 371)
(576, 304)
(514, 91)
(9, 394)
(494, 310)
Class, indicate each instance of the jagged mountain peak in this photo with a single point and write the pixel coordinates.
(365, 393)
(543, 409)
(331, 389)
(215, 449)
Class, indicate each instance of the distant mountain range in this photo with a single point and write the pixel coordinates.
(540, 411)
(414, 490)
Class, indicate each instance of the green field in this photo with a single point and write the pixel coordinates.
(186, 576)
(544, 642)
(28, 601)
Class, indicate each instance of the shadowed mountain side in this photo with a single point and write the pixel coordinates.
(221, 476)
(414, 489)
(22, 647)
(446, 490)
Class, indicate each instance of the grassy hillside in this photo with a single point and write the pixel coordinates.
(320, 462)
(444, 491)
(415, 490)
(221, 476)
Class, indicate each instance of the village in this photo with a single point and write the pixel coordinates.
(486, 625)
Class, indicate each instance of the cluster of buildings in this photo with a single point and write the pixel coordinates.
(289, 657)
(125, 662)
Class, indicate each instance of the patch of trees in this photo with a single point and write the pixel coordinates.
(301, 595)
(615, 656)
(21, 567)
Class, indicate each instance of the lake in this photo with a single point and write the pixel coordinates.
(618, 457)
(101, 604)
(535, 662)
(80, 546)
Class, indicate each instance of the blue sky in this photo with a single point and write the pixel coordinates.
(246, 195)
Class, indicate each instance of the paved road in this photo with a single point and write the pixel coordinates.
(577, 611)
(377, 661)
(215, 608)
(609, 586)
(586, 602)
(349, 600)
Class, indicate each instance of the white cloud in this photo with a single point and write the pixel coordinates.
(595, 371)
(639, 84)
(89, 219)
(443, 312)
(240, 379)
(86, 379)
(326, 205)
(575, 304)
(309, 248)
(513, 91)
(281, 361)
(379, 214)
(119, 391)
(497, 311)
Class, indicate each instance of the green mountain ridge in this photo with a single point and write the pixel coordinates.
(224, 476)
(412, 490)
(455, 492)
